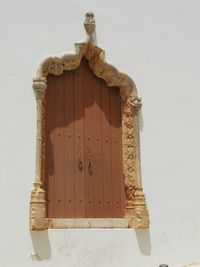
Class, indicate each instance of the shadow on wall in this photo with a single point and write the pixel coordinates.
(41, 246)
(144, 241)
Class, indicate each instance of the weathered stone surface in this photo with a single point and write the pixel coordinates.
(88, 223)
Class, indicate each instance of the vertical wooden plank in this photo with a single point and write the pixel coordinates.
(79, 143)
(115, 151)
(88, 140)
(122, 182)
(49, 161)
(97, 148)
(59, 147)
(106, 150)
(69, 206)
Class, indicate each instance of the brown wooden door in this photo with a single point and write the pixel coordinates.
(83, 152)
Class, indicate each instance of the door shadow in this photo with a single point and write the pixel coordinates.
(144, 241)
(41, 246)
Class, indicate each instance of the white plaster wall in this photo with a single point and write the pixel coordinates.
(157, 43)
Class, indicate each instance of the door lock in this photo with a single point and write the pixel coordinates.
(80, 165)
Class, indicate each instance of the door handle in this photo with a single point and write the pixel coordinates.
(80, 165)
(90, 167)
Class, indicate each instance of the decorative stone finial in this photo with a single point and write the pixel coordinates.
(89, 24)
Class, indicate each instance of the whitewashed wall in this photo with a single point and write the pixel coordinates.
(156, 43)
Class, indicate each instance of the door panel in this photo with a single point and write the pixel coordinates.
(106, 150)
(69, 192)
(97, 149)
(49, 162)
(115, 151)
(58, 148)
(83, 152)
(89, 153)
(79, 143)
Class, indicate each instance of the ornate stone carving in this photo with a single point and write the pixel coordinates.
(38, 216)
(39, 224)
(135, 206)
(89, 23)
(38, 203)
(141, 215)
(56, 66)
(128, 146)
(130, 192)
(136, 103)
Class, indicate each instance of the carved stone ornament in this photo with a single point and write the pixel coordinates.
(135, 206)
(89, 23)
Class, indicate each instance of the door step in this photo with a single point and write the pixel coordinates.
(88, 223)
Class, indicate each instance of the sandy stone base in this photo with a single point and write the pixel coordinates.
(88, 223)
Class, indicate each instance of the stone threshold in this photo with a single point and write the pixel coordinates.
(87, 223)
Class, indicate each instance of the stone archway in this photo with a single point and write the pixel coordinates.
(136, 213)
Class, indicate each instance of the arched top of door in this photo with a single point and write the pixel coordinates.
(96, 60)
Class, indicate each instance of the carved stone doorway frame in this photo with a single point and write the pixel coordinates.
(136, 213)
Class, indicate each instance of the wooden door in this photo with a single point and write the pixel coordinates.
(83, 151)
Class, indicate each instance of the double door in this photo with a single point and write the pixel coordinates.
(83, 150)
